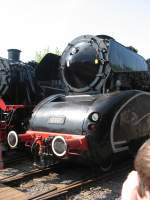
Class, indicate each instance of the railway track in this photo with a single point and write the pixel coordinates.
(23, 175)
(65, 189)
(77, 185)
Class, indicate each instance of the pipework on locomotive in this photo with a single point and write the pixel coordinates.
(104, 110)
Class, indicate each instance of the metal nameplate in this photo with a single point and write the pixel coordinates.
(56, 120)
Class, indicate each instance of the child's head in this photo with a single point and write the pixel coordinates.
(142, 166)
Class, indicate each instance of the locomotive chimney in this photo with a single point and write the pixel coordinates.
(14, 55)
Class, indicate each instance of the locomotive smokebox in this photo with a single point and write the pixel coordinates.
(14, 55)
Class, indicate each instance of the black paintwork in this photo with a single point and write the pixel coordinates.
(29, 83)
(101, 76)
(48, 75)
(76, 111)
(123, 59)
(117, 111)
(18, 82)
(93, 64)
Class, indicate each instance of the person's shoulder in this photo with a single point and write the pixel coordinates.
(130, 185)
(132, 179)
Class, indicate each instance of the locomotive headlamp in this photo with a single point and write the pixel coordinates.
(96, 61)
(94, 117)
(59, 146)
(12, 139)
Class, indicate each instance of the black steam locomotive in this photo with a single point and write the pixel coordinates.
(22, 87)
(106, 108)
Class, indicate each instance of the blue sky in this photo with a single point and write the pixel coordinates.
(33, 25)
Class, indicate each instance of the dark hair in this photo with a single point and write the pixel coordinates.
(142, 166)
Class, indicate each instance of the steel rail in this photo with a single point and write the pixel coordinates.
(78, 184)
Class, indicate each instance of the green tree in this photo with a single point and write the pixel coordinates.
(40, 54)
(57, 52)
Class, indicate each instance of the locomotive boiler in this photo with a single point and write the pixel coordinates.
(105, 110)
